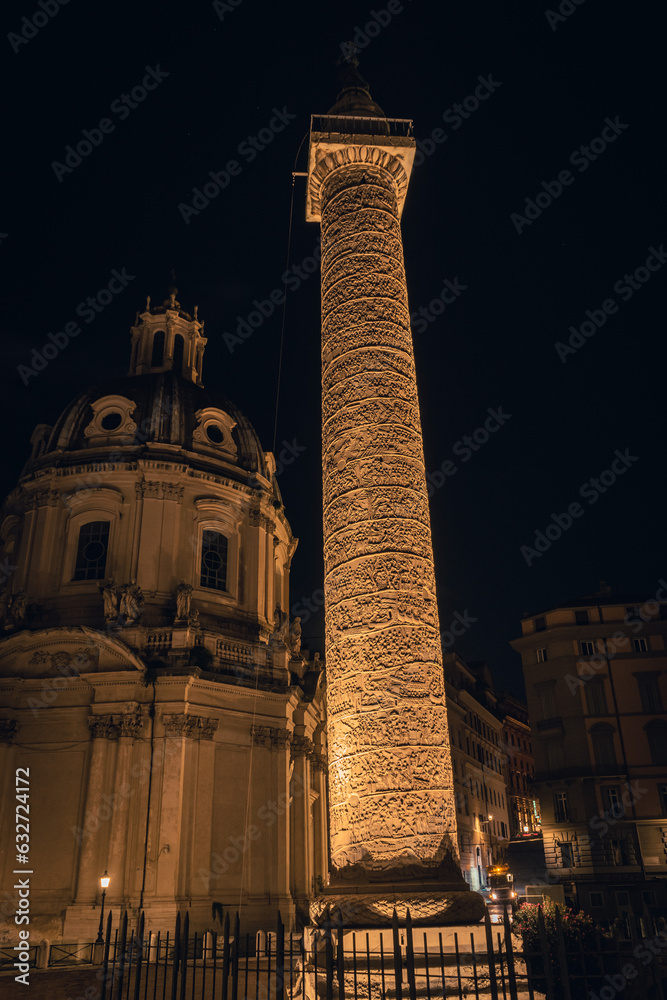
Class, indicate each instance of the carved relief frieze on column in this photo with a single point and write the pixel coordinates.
(192, 727)
(268, 736)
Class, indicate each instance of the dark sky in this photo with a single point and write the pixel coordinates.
(555, 82)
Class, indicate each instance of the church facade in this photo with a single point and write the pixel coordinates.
(152, 685)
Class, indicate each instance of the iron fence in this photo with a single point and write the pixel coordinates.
(72, 953)
(337, 962)
(8, 955)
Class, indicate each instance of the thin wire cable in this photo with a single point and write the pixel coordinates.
(282, 325)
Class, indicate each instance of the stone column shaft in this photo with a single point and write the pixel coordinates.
(390, 776)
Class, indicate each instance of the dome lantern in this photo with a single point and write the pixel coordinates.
(166, 338)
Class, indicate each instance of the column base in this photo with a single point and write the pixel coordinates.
(371, 902)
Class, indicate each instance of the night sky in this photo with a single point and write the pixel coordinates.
(220, 72)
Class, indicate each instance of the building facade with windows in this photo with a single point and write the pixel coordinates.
(476, 742)
(596, 682)
(152, 685)
(523, 805)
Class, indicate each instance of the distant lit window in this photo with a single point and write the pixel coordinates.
(542, 655)
(649, 692)
(640, 645)
(91, 552)
(587, 648)
(581, 617)
(596, 700)
(561, 807)
(213, 570)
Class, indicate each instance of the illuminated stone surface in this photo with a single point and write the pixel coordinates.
(392, 808)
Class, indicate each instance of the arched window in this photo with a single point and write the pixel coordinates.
(602, 737)
(158, 349)
(179, 344)
(213, 571)
(656, 732)
(91, 552)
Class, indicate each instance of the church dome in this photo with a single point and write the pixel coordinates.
(159, 410)
(152, 413)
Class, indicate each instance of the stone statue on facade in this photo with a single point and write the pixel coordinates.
(281, 625)
(294, 640)
(109, 594)
(131, 600)
(183, 600)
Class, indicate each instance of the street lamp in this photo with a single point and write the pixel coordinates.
(104, 882)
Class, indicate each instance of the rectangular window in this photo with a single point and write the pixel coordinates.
(620, 855)
(547, 706)
(649, 897)
(649, 692)
(596, 899)
(587, 648)
(542, 655)
(554, 754)
(561, 807)
(581, 617)
(611, 800)
(540, 624)
(91, 552)
(662, 791)
(596, 701)
(640, 645)
(567, 855)
(213, 571)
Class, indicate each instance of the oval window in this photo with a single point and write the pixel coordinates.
(111, 421)
(214, 434)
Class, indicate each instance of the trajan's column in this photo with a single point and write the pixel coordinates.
(392, 809)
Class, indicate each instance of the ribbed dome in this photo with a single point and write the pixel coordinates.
(140, 412)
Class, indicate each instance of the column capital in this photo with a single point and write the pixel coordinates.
(268, 736)
(193, 727)
(8, 730)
